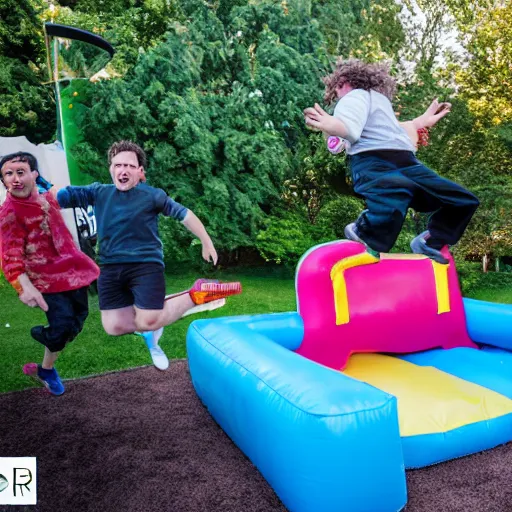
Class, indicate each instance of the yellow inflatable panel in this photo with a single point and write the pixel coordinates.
(429, 401)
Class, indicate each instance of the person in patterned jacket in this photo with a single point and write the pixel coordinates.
(41, 261)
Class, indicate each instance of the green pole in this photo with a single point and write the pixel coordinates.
(70, 94)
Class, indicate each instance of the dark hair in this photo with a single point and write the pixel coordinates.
(127, 145)
(360, 75)
(20, 156)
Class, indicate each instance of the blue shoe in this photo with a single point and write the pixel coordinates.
(49, 378)
(352, 233)
(419, 246)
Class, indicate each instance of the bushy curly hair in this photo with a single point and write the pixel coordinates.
(360, 75)
(127, 145)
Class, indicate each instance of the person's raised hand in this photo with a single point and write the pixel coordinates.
(317, 118)
(435, 112)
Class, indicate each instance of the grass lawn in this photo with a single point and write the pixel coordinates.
(94, 352)
(503, 295)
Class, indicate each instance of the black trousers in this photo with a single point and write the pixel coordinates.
(393, 181)
(67, 312)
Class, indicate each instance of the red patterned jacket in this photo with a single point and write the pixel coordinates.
(35, 240)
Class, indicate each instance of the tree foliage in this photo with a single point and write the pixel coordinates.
(214, 91)
(26, 107)
(473, 144)
(486, 82)
(211, 138)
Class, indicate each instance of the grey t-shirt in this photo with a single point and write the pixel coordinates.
(371, 123)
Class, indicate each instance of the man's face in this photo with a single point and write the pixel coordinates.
(19, 180)
(125, 171)
(343, 90)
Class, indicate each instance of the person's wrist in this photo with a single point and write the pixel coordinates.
(17, 286)
(421, 122)
(332, 125)
(23, 280)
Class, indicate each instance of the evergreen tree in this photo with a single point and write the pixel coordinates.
(26, 107)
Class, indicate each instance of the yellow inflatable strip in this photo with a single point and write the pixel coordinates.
(429, 401)
(340, 286)
(442, 289)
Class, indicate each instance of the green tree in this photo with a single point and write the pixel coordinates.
(486, 81)
(26, 107)
(491, 233)
(212, 149)
(473, 144)
(361, 28)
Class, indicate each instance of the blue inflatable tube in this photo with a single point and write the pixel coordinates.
(489, 323)
(487, 369)
(322, 440)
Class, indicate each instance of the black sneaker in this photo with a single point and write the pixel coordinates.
(419, 246)
(352, 234)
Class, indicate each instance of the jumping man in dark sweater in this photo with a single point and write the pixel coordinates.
(131, 286)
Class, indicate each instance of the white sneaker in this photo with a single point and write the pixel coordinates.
(159, 358)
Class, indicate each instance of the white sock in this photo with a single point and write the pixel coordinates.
(155, 336)
(158, 334)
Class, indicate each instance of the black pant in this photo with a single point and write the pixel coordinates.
(66, 315)
(393, 181)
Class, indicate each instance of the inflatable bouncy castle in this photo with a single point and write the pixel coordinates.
(383, 367)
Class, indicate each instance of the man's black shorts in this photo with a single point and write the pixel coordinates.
(131, 284)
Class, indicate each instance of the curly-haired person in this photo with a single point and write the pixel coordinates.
(383, 163)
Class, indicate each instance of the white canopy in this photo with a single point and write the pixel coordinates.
(53, 166)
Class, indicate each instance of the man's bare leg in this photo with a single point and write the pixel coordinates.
(153, 319)
(119, 321)
(150, 323)
(49, 359)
